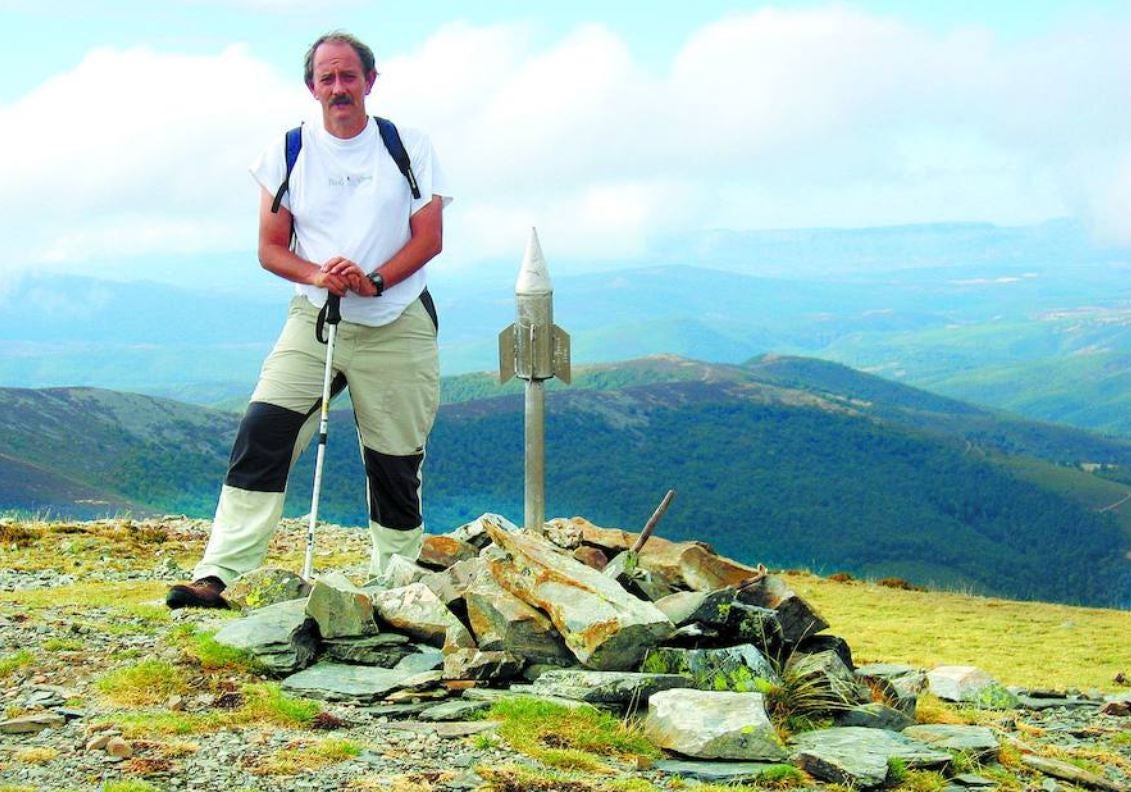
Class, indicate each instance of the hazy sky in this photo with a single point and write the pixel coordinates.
(128, 126)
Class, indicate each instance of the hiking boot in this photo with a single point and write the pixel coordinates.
(203, 593)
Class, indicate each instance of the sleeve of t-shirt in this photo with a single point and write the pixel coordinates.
(430, 176)
(270, 167)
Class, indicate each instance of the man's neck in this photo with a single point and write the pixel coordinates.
(346, 130)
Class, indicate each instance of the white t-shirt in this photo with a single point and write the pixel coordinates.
(348, 198)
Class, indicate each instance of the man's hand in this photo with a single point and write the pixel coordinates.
(340, 275)
(355, 278)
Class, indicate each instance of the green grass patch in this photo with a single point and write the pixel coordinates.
(920, 781)
(129, 786)
(90, 593)
(571, 739)
(63, 645)
(266, 703)
(517, 778)
(300, 757)
(147, 683)
(261, 704)
(141, 725)
(202, 647)
(1034, 644)
(14, 662)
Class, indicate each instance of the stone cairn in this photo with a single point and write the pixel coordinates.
(694, 642)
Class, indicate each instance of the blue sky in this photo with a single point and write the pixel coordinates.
(129, 125)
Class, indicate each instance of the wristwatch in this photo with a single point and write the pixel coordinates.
(377, 281)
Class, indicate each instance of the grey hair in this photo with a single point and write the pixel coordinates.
(364, 54)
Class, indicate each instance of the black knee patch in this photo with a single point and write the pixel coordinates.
(394, 489)
(265, 443)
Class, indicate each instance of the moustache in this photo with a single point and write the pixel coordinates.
(340, 100)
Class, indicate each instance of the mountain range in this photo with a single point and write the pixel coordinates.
(783, 460)
(1035, 320)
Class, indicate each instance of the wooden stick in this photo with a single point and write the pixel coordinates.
(651, 524)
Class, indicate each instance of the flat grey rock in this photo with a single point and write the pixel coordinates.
(706, 724)
(874, 716)
(726, 772)
(341, 682)
(454, 710)
(606, 687)
(978, 741)
(384, 650)
(859, 757)
(281, 636)
(30, 724)
(418, 662)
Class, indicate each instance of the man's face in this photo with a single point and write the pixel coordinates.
(340, 85)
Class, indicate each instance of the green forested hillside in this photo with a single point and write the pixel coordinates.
(785, 461)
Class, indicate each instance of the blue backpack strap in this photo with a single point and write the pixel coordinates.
(393, 144)
(292, 145)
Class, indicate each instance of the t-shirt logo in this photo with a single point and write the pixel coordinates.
(350, 180)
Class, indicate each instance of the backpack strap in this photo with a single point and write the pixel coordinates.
(393, 144)
(292, 144)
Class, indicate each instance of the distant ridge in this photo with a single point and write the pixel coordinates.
(783, 460)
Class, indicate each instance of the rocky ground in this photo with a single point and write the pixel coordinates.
(81, 602)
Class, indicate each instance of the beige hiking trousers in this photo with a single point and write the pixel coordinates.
(393, 376)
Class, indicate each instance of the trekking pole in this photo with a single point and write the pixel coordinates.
(331, 315)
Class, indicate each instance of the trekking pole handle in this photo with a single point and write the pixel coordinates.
(333, 308)
(331, 314)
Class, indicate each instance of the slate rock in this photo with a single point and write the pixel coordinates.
(265, 586)
(475, 532)
(859, 757)
(491, 695)
(701, 607)
(477, 664)
(625, 570)
(874, 715)
(566, 533)
(502, 622)
(418, 662)
(340, 682)
(977, 741)
(399, 572)
(969, 685)
(441, 552)
(281, 636)
(1070, 772)
(454, 710)
(384, 650)
(900, 685)
(814, 644)
(712, 725)
(418, 612)
(605, 687)
(604, 626)
(591, 557)
(451, 584)
(716, 772)
(757, 625)
(797, 618)
(341, 609)
(828, 673)
(692, 565)
(741, 669)
(30, 724)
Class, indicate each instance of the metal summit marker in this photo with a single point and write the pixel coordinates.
(534, 349)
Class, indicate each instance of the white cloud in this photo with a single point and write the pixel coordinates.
(138, 151)
(773, 118)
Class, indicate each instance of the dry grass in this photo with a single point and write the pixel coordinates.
(1019, 643)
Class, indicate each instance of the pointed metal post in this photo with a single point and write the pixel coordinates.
(534, 349)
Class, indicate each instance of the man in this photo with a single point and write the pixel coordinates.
(359, 234)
